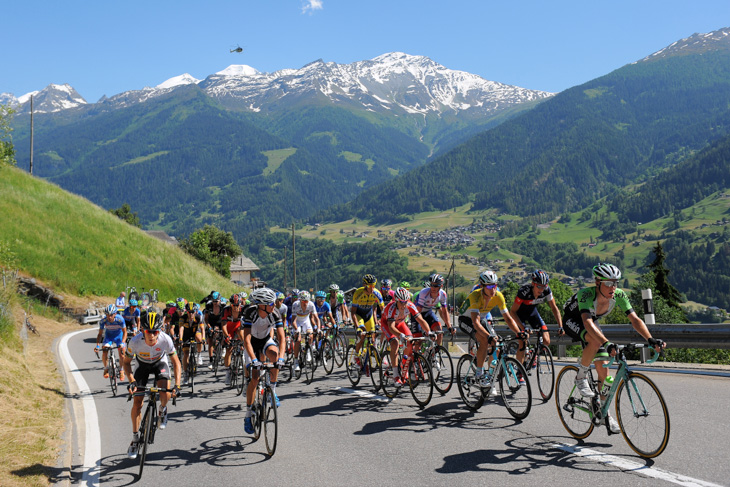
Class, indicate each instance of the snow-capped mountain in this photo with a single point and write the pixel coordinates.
(711, 41)
(52, 98)
(394, 83)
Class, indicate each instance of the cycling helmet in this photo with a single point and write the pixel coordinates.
(368, 279)
(280, 296)
(405, 284)
(304, 296)
(189, 307)
(606, 271)
(180, 303)
(224, 301)
(387, 283)
(151, 321)
(111, 309)
(215, 295)
(169, 304)
(488, 277)
(320, 294)
(540, 277)
(263, 295)
(243, 295)
(196, 307)
(133, 302)
(235, 299)
(436, 280)
(402, 294)
(295, 292)
(334, 287)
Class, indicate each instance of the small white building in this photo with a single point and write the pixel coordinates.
(242, 269)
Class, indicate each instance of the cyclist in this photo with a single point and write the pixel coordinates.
(393, 323)
(364, 302)
(324, 312)
(190, 325)
(174, 319)
(114, 332)
(473, 324)
(289, 302)
(580, 320)
(259, 320)
(338, 304)
(432, 297)
(524, 309)
(386, 291)
(152, 349)
(212, 317)
(283, 309)
(304, 322)
(131, 317)
(231, 326)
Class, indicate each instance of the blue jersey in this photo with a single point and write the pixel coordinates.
(322, 310)
(113, 328)
(130, 317)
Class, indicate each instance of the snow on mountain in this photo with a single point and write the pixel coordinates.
(183, 79)
(52, 98)
(711, 41)
(8, 99)
(238, 70)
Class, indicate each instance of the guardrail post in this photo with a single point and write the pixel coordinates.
(648, 318)
(562, 350)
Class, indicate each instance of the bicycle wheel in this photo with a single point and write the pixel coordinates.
(373, 368)
(145, 429)
(420, 380)
(271, 421)
(387, 376)
(285, 373)
(471, 393)
(309, 365)
(328, 357)
(239, 372)
(442, 368)
(517, 397)
(340, 346)
(545, 372)
(642, 415)
(352, 366)
(113, 373)
(217, 357)
(573, 409)
(258, 413)
(472, 347)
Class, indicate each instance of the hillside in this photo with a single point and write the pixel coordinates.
(81, 249)
(576, 147)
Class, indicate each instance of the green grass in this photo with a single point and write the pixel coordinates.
(79, 248)
(276, 158)
(137, 160)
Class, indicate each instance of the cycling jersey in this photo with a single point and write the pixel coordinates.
(230, 315)
(322, 310)
(113, 330)
(146, 354)
(476, 302)
(301, 313)
(213, 319)
(425, 301)
(527, 300)
(584, 301)
(363, 302)
(261, 327)
(289, 302)
(388, 295)
(130, 317)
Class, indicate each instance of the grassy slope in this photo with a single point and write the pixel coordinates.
(81, 249)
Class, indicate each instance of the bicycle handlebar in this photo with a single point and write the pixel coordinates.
(153, 390)
(631, 347)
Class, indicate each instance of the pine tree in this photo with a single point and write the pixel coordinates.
(661, 278)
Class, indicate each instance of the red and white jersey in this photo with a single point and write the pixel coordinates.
(391, 311)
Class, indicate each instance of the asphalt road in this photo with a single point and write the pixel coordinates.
(333, 434)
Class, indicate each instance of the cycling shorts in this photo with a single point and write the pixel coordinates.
(161, 369)
(578, 333)
(260, 346)
(188, 334)
(306, 327)
(534, 319)
(115, 339)
(368, 324)
(467, 326)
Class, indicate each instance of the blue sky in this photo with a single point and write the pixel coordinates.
(106, 47)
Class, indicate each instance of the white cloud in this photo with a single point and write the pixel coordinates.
(312, 5)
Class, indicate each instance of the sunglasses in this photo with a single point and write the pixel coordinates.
(541, 286)
(152, 332)
(435, 285)
(610, 283)
(490, 286)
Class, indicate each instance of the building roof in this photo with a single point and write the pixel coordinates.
(158, 234)
(242, 264)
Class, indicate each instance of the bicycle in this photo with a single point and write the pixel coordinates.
(149, 425)
(506, 370)
(367, 362)
(538, 358)
(265, 415)
(442, 367)
(324, 353)
(217, 357)
(307, 358)
(641, 411)
(192, 364)
(414, 369)
(238, 379)
(113, 368)
(339, 343)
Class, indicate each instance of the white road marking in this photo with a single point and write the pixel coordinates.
(623, 464)
(92, 443)
(369, 395)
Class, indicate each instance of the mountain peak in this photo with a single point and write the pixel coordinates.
(53, 98)
(238, 70)
(696, 43)
(183, 79)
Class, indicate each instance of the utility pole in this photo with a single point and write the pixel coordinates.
(31, 135)
(315, 261)
(286, 264)
(294, 255)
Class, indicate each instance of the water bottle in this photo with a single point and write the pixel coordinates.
(607, 384)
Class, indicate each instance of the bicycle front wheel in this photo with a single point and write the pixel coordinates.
(258, 413)
(573, 409)
(113, 373)
(443, 369)
(420, 380)
(545, 372)
(469, 390)
(373, 368)
(516, 394)
(340, 346)
(145, 430)
(309, 365)
(642, 415)
(387, 377)
(328, 357)
(270, 421)
(352, 366)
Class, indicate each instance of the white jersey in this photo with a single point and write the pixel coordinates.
(426, 302)
(302, 313)
(145, 353)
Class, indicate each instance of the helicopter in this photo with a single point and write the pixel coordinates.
(237, 49)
